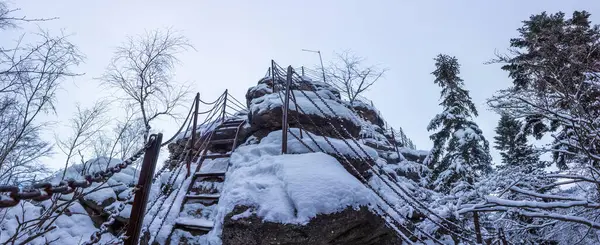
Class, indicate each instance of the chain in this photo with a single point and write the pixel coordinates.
(360, 176)
(95, 237)
(45, 190)
(370, 158)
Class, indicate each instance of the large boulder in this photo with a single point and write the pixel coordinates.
(348, 227)
(368, 112)
(265, 86)
(311, 112)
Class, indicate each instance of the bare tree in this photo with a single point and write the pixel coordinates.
(351, 76)
(82, 157)
(143, 70)
(29, 77)
(86, 125)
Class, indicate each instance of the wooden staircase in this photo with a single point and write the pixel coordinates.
(199, 207)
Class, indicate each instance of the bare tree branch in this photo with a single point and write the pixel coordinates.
(143, 70)
(348, 74)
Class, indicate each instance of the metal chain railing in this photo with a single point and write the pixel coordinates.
(369, 159)
(364, 159)
(46, 190)
(114, 213)
(11, 195)
(405, 193)
(361, 177)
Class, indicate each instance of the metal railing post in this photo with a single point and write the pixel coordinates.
(284, 123)
(400, 156)
(188, 163)
(224, 106)
(143, 190)
(273, 71)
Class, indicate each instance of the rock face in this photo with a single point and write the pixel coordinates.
(322, 112)
(368, 112)
(263, 122)
(349, 227)
(266, 109)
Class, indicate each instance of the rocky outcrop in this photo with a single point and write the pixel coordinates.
(368, 113)
(348, 227)
(315, 105)
(265, 121)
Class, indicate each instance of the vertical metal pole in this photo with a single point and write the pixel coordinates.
(400, 156)
(194, 126)
(143, 190)
(302, 70)
(322, 67)
(284, 123)
(224, 106)
(273, 76)
(477, 228)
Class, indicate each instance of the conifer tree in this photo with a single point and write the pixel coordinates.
(460, 153)
(512, 144)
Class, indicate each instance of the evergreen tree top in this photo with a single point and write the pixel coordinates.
(453, 94)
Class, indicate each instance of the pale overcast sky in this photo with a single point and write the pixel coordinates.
(235, 41)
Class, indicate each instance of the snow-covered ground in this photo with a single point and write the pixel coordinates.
(74, 226)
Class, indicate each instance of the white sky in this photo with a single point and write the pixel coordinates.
(235, 41)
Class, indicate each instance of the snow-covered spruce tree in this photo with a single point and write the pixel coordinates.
(521, 168)
(512, 144)
(554, 67)
(556, 85)
(460, 153)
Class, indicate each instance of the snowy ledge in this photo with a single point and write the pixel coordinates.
(290, 189)
(270, 101)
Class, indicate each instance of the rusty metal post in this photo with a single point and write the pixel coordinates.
(477, 228)
(286, 106)
(189, 159)
(140, 200)
(224, 106)
(400, 156)
(273, 71)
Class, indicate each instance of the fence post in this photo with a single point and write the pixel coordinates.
(224, 106)
(190, 155)
(140, 200)
(273, 76)
(400, 156)
(477, 228)
(284, 123)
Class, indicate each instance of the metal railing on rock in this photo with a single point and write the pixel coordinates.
(283, 82)
(223, 107)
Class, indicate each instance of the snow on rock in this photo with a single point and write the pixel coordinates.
(368, 112)
(308, 109)
(291, 188)
(75, 225)
(413, 155)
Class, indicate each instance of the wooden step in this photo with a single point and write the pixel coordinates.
(222, 141)
(219, 176)
(215, 156)
(226, 128)
(196, 225)
(206, 199)
(232, 123)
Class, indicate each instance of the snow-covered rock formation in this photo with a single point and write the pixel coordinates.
(306, 197)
